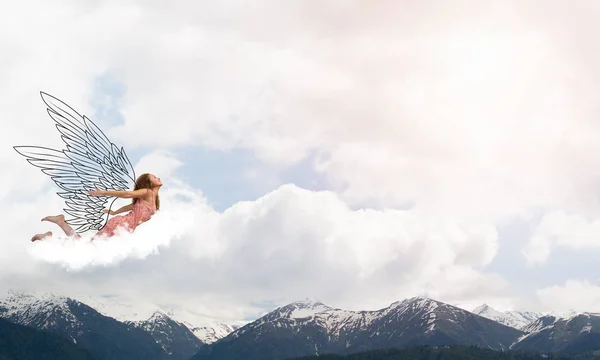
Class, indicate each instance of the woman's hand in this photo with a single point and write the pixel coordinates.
(96, 193)
(110, 212)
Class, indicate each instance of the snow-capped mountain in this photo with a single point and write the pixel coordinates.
(574, 335)
(516, 319)
(115, 329)
(310, 327)
(45, 311)
(175, 338)
(540, 323)
(121, 309)
(205, 328)
(103, 337)
(170, 332)
(563, 314)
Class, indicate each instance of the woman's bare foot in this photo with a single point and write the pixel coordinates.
(57, 219)
(41, 236)
(60, 221)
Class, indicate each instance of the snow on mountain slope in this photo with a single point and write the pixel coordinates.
(540, 324)
(332, 320)
(421, 312)
(564, 314)
(79, 323)
(576, 334)
(24, 309)
(174, 337)
(120, 309)
(204, 328)
(516, 319)
(311, 327)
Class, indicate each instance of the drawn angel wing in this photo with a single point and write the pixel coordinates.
(89, 161)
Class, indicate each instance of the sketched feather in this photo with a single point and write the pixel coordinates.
(89, 161)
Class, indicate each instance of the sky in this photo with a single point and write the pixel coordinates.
(353, 152)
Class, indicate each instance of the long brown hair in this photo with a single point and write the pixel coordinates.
(143, 182)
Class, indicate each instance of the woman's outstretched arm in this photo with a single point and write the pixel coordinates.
(121, 210)
(126, 194)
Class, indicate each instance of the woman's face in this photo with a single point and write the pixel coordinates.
(155, 181)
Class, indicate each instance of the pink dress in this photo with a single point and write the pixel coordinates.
(141, 212)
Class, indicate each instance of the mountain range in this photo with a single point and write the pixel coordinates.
(111, 329)
(312, 328)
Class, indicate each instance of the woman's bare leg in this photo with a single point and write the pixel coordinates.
(37, 237)
(60, 221)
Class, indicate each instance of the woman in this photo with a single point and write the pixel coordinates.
(144, 204)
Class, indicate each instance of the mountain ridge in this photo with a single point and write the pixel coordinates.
(104, 337)
(311, 327)
(300, 328)
(205, 328)
(517, 319)
(576, 334)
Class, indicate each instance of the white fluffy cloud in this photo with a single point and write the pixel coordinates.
(574, 295)
(289, 244)
(159, 163)
(297, 240)
(561, 229)
(78, 254)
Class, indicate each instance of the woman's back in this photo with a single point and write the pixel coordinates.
(142, 211)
